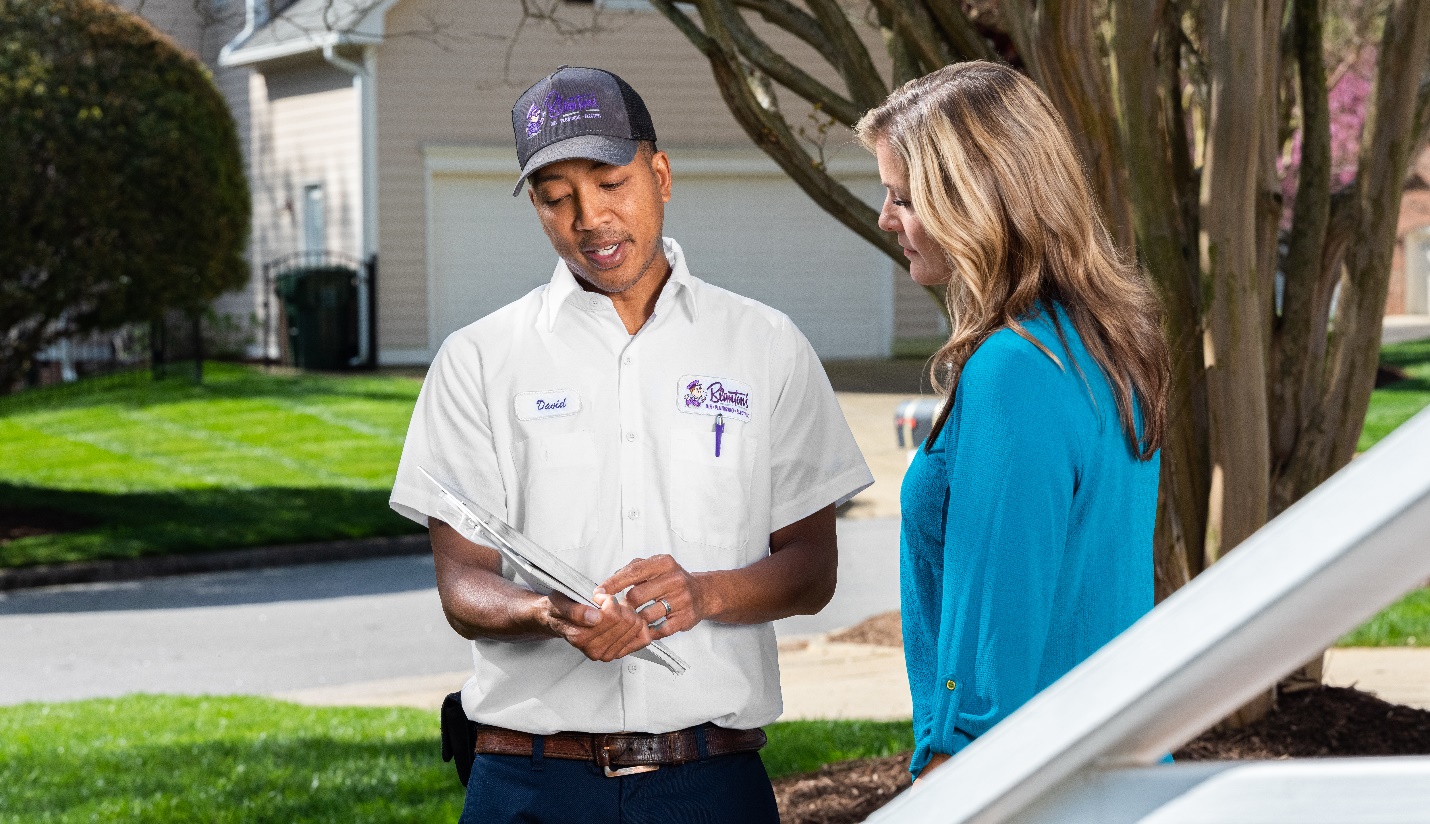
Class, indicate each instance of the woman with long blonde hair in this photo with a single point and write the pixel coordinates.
(1028, 512)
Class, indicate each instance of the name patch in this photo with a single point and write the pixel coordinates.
(555, 403)
(708, 395)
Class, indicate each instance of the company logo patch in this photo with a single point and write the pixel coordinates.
(556, 403)
(707, 395)
(560, 109)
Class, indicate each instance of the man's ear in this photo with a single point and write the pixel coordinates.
(531, 193)
(660, 165)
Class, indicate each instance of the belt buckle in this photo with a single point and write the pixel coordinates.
(639, 768)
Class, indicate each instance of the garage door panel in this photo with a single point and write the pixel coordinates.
(756, 235)
(487, 250)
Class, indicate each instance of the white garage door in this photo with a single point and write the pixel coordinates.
(753, 232)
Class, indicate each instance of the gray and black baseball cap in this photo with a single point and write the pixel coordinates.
(576, 112)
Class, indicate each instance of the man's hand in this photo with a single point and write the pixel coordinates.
(655, 582)
(603, 634)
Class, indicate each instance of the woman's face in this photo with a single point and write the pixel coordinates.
(927, 264)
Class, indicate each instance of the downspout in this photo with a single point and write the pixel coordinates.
(366, 90)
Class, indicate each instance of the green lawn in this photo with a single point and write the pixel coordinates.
(179, 759)
(246, 459)
(1405, 623)
(1396, 403)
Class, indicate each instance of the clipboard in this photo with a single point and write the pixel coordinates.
(536, 566)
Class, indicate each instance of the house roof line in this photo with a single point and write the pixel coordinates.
(307, 26)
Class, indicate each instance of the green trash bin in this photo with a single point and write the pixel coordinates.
(321, 305)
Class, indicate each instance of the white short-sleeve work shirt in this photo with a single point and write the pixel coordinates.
(600, 446)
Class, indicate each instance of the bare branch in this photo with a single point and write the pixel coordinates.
(912, 22)
(958, 30)
(1299, 344)
(780, 69)
(855, 65)
(906, 66)
(751, 99)
(796, 21)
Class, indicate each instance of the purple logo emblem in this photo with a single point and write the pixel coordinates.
(534, 116)
(706, 395)
(694, 394)
(566, 109)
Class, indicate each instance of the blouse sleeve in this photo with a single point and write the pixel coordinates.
(1012, 473)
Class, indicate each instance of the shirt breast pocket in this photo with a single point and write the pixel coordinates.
(709, 495)
(559, 487)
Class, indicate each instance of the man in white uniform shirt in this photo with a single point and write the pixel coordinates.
(659, 434)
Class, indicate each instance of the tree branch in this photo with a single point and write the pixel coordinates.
(855, 65)
(906, 66)
(796, 21)
(912, 22)
(1299, 344)
(958, 30)
(777, 67)
(1385, 147)
(751, 100)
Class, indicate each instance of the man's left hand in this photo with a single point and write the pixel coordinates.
(655, 582)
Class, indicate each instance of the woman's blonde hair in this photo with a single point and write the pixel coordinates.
(996, 183)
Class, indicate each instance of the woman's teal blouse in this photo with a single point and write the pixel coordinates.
(1026, 539)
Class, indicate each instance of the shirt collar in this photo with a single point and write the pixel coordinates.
(680, 286)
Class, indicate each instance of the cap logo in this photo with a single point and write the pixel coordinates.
(567, 109)
(534, 116)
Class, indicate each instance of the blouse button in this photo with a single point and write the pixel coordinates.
(950, 683)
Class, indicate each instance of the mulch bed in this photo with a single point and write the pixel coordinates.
(26, 522)
(847, 791)
(1313, 723)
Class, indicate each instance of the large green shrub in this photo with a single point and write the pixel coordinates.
(122, 192)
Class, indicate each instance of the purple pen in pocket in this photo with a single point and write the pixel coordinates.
(719, 431)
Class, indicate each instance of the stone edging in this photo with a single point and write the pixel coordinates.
(130, 569)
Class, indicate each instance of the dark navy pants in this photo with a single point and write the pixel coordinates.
(517, 788)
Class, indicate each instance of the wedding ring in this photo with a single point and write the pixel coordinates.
(667, 607)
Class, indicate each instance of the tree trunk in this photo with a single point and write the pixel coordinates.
(1138, 47)
(1235, 361)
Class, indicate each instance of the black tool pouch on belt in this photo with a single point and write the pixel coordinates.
(459, 736)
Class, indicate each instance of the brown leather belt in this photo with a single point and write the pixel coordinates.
(622, 753)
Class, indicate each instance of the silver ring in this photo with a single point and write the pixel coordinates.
(657, 622)
(667, 607)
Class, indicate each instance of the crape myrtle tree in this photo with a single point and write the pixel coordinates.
(1206, 128)
(122, 191)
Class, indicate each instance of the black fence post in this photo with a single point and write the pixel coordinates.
(198, 348)
(372, 311)
(158, 348)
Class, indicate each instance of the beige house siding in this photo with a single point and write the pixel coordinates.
(463, 96)
(306, 128)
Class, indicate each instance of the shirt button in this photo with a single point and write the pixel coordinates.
(627, 360)
(595, 302)
(631, 436)
(950, 683)
(630, 668)
(633, 514)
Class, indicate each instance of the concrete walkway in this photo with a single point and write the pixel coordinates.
(1403, 328)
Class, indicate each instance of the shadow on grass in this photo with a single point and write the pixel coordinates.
(222, 381)
(249, 779)
(138, 524)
